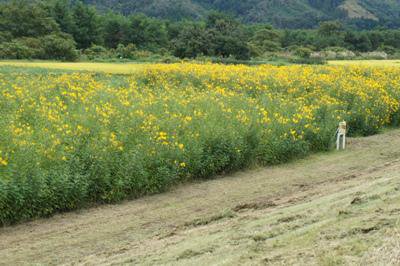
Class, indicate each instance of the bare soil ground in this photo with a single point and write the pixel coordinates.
(338, 208)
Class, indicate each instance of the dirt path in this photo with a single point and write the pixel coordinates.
(328, 209)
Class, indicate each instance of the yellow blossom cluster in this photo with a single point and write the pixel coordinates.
(113, 136)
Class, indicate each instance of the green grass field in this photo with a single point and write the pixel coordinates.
(112, 68)
(129, 68)
(386, 63)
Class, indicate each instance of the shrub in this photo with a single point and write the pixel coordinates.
(96, 51)
(60, 47)
(126, 51)
(309, 61)
(390, 50)
(16, 50)
(303, 52)
(380, 55)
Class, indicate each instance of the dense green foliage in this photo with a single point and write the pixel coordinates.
(68, 30)
(280, 13)
(28, 31)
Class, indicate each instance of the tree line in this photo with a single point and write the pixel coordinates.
(67, 30)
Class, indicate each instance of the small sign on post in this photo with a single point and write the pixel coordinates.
(341, 136)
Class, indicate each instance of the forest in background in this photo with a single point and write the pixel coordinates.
(361, 14)
(72, 30)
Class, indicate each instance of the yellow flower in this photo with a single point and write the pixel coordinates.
(3, 162)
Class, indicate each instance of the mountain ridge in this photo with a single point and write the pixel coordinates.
(279, 13)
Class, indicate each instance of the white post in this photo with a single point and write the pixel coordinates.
(344, 141)
(341, 134)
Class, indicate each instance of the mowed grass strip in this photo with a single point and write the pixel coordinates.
(372, 63)
(130, 68)
(111, 68)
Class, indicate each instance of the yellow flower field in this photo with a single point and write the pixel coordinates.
(71, 139)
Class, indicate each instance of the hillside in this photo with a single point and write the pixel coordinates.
(340, 208)
(280, 13)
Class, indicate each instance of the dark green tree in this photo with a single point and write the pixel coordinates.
(358, 42)
(61, 11)
(26, 19)
(147, 33)
(194, 40)
(330, 33)
(227, 37)
(87, 29)
(59, 46)
(115, 30)
(266, 40)
(330, 29)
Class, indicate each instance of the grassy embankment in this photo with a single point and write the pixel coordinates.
(339, 208)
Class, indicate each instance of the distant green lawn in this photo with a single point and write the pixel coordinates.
(128, 68)
(113, 68)
(365, 62)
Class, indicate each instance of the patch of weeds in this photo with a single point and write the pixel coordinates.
(373, 197)
(207, 220)
(301, 186)
(289, 219)
(270, 260)
(254, 206)
(354, 247)
(344, 213)
(361, 230)
(395, 211)
(331, 260)
(349, 177)
(329, 235)
(391, 155)
(383, 223)
(189, 253)
(167, 235)
(368, 230)
(265, 236)
(278, 244)
(260, 238)
(362, 200)
(356, 201)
